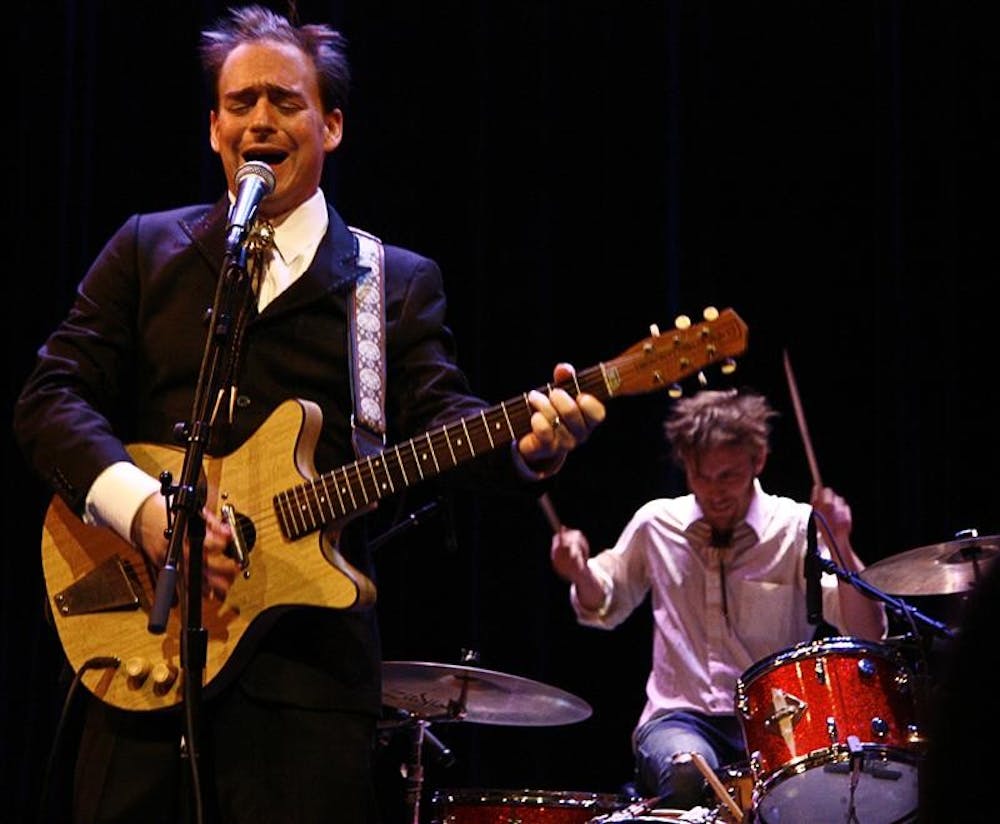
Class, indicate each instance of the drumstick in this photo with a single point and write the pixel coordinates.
(550, 512)
(801, 418)
(717, 786)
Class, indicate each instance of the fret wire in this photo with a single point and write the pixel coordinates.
(325, 478)
(349, 488)
(402, 467)
(416, 459)
(447, 440)
(486, 426)
(358, 478)
(506, 417)
(468, 439)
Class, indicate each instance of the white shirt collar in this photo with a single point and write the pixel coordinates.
(756, 517)
(300, 233)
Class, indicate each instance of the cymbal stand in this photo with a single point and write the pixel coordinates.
(414, 768)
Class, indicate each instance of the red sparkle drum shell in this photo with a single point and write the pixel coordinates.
(490, 806)
(817, 713)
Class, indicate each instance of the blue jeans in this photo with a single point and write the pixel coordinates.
(661, 747)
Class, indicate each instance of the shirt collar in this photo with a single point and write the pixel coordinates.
(755, 518)
(302, 230)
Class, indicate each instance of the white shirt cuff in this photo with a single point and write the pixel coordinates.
(116, 496)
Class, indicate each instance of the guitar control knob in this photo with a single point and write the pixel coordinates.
(164, 676)
(137, 669)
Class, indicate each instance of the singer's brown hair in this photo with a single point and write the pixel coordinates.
(325, 46)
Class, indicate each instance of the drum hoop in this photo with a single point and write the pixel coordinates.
(841, 754)
(812, 649)
(558, 798)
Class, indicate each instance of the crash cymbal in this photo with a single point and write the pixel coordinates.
(937, 569)
(462, 693)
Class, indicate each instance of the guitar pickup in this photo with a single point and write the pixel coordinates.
(110, 587)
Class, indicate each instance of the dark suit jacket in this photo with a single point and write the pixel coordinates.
(123, 368)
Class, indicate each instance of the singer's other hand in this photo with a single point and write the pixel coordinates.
(218, 569)
(560, 422)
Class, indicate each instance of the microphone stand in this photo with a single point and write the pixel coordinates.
(897, 604)
(227, 321)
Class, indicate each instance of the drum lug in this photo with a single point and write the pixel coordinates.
(879, 727)
(820, 669)
(831, 729)
(902, 681)
(866, 668)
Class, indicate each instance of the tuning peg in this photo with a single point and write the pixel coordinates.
(710, 313)
(682, 322)
(675, 391)
(702, 380)
(654, 330)
(728, 366)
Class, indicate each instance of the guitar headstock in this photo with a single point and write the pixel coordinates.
(664, 359)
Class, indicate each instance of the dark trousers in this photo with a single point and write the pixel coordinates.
(259, 763)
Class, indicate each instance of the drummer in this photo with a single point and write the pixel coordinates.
(725, 568)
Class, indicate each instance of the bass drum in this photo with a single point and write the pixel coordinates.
(831, 731)
(487, 806)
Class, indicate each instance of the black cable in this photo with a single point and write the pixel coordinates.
(98, 662)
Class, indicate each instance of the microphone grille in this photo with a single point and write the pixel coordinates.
(258, 168)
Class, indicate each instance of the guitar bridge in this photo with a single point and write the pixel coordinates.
(110, 587)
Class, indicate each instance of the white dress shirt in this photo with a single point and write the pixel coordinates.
(716, 612)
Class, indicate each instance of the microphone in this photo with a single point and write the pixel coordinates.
(813, 570)
(254, 181)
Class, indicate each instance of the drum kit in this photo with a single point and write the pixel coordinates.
(833, 727)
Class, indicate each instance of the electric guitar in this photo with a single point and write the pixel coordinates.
(288, 518)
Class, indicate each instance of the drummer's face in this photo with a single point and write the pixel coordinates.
(721, 478)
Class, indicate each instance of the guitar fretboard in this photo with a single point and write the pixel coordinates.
(342, 492)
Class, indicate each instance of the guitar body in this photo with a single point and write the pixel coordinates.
(91, 574)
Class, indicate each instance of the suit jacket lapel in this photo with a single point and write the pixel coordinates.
(333, 269)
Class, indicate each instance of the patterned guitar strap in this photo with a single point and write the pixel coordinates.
(367, 345)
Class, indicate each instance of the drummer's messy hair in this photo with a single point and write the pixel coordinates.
(713, 418)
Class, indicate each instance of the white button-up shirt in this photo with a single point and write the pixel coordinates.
(716, 612)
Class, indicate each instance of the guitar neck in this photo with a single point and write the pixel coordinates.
(646, 366)
(345, 491)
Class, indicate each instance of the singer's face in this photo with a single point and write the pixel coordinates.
(721, 478)
(270, 110)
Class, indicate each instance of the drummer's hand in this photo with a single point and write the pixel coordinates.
(835, 510)
(569, 552)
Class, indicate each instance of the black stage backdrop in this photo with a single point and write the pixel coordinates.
(581, 170)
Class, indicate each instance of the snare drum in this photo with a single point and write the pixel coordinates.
(485, 806)
(830, 728)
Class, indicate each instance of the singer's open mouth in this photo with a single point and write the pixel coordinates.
(270, 158)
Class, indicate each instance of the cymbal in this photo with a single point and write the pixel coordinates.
(462, 693)
(937, 569)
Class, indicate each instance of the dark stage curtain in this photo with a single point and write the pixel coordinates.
(581, 170)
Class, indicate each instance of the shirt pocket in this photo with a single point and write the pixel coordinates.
(764, 615)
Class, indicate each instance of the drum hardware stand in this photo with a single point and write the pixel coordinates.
(413, 770)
